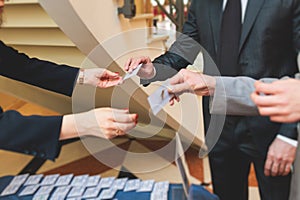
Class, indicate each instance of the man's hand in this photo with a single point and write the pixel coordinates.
(187, 81)
(280, 157)
(281, 100)
(147, 70)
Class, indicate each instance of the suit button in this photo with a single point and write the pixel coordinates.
(34, 153)
(26, 151)
(42, 155)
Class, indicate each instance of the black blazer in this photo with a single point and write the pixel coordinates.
(269, 45)
(34, 135)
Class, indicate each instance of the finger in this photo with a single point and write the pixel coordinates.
(275, 168)
(109, 83)
(281, 169)
(266, 88)
(117, 111)
(127, 64)
(125, 127)
(111, 74)
(177, 78)
(264, 100)
(283, 118)
(171, 102)
(268, 166)
(180, 88)
(287, 169)
(134, 64)
(125, 118)
(269, 111)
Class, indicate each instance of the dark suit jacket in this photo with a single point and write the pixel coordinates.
(34, 135)
(269, 44)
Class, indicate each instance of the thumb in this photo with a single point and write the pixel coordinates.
(180, 88)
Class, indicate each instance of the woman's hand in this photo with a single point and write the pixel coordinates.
(98, 77)
(101, 122)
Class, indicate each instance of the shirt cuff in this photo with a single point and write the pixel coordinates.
(288, 140)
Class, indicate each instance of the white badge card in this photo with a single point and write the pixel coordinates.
(106, 182)
(132, 185)
(64, 180)
(44, 190)
(108, 193)
(61, 192)
(33, 179)
(159, 98)
(161, 186)
(76, 191)
(29, 190)
(161, 195)
(50, 179)
(91, 192)
(19, 180)
(79, 180)
(119, 184)
(10, 189)
(93, 181)
(146, 186)
(41, 197)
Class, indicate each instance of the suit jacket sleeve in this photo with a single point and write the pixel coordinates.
(232, 97)
(34, 135)
(43, 74)
(182, 52)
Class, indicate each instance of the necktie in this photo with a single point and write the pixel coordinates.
(230, 37)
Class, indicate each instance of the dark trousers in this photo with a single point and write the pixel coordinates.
(230, 165)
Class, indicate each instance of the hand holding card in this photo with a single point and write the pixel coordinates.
(133, 73)
(159, 98)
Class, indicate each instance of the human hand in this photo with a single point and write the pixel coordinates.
(101, 122)
(281, 100)
(147, 70)
(186, 81)
(99, 77)
(280, 157)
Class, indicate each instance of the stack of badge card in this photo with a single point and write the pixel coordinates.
(56, 187)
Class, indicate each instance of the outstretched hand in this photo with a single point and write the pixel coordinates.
(186, 81)
(99, 77)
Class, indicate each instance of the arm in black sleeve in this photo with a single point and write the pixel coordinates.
(34, 135)
(182, 53)
(43, 74)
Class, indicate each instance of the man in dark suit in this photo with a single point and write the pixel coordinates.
(269, 40)
(40, 135)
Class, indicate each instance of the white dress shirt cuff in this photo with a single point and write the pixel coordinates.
(288, 140)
